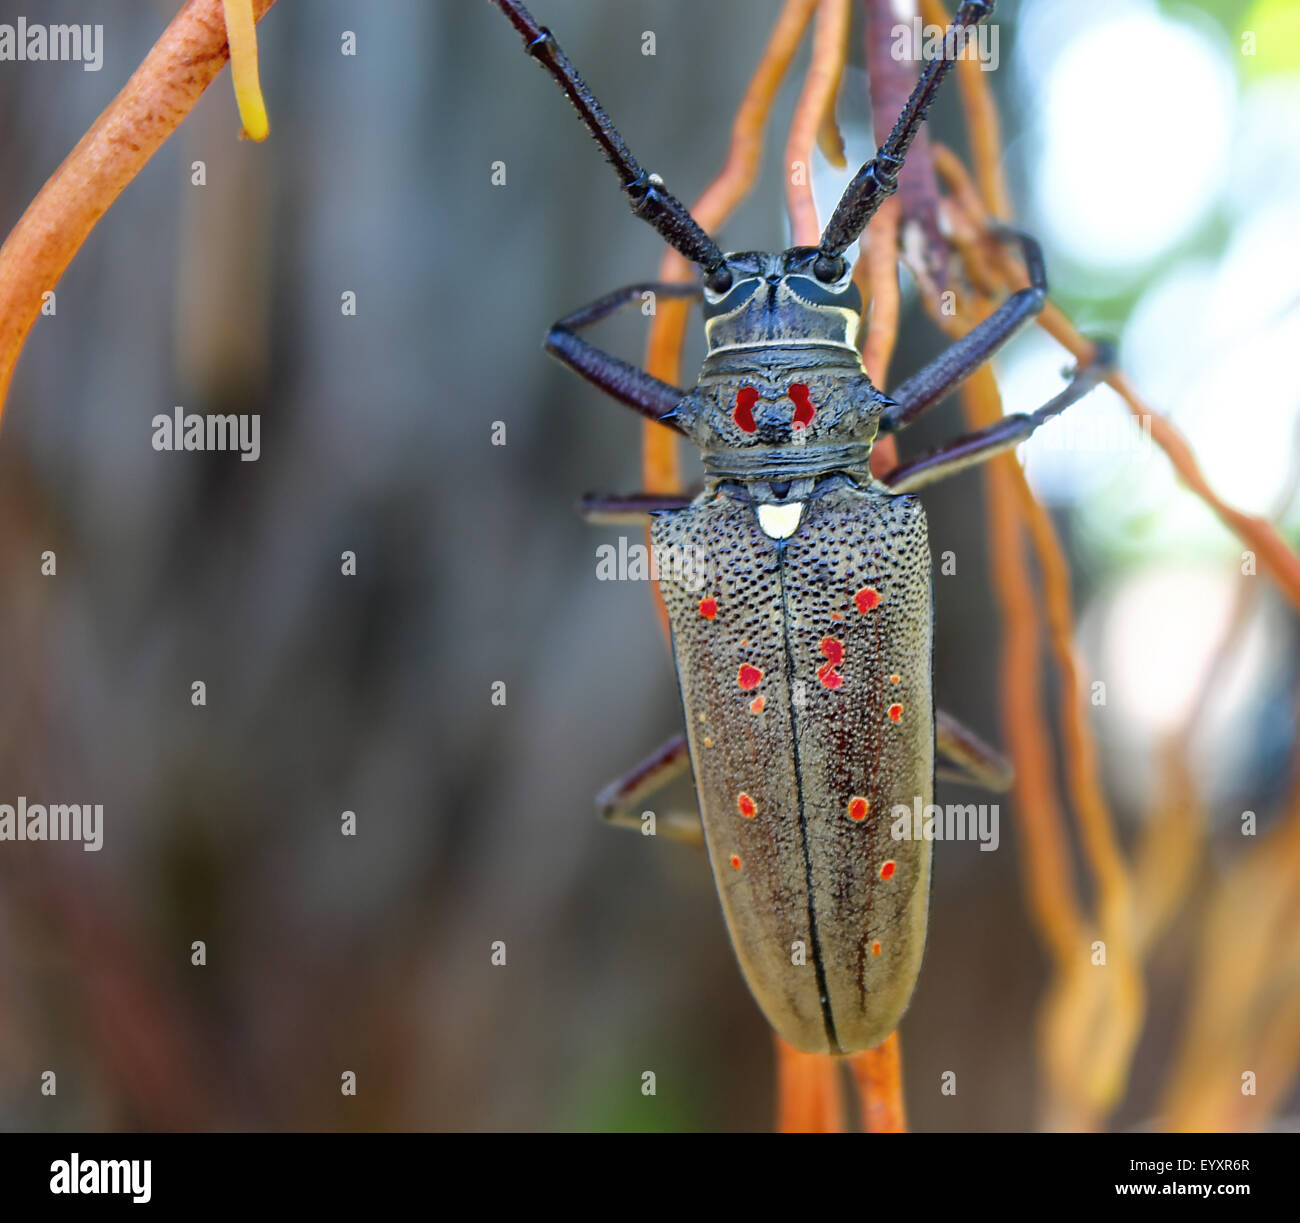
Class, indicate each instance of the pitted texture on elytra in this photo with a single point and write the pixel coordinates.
(813, 749)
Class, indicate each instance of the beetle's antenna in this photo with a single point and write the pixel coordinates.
(878, 179)
(650, 199)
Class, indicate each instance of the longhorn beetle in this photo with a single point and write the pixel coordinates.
(802, 622)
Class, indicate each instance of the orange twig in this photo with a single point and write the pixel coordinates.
(1095, 1021)
(981, 122)
(1101, 1035)
(808, 1097)
(878, 269)
(182, 63)
(822, 83)
(878, 1075)
(1049, 883)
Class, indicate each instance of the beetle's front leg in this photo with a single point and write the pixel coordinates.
(624, 381)
(1010, 431)
(619, 802)
(929, 385)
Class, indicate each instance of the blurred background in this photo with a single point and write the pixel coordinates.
(1149, 149)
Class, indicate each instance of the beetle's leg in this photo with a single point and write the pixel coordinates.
(1010, 431)
(624, 381)
(628, 509)
(973, 760)
(620, 802)
(931, 383)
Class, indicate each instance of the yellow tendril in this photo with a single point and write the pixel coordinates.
(241, 34)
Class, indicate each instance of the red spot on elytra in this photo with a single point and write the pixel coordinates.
(895, 712)
(837, 615)
(894, 679)
(756, 705)
(708, 608)
(735, 865)
(866, 599)
(746, 806)
(858, 808)
(833, 652)
(749, 677)
(803, 407)
(746, 398)
(887, 871)
(875, 948)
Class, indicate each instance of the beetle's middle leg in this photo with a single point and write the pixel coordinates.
(620, 802)
(1010, 431)
(970, 759)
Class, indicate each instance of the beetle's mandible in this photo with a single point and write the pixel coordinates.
(802, 616)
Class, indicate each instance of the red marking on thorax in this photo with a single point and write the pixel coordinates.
(749, 677)
(746, 806)
(887, 871)
(833, 651)
(708, 608)
(866, 599)
(746, 398)
(735, 865)
(858, 808)
(803, 406)
(875, 948)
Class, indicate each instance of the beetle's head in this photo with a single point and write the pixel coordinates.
(794, 296)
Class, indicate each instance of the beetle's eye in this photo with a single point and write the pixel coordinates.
(827, 269)
(719, 280)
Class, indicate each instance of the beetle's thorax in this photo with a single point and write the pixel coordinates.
(782, 395)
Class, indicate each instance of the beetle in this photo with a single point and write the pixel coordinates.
(799, 598)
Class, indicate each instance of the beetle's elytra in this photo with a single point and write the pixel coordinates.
(799, 595)
(810, 718)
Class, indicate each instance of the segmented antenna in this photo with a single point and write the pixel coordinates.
(650, 199)
(878, 179)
